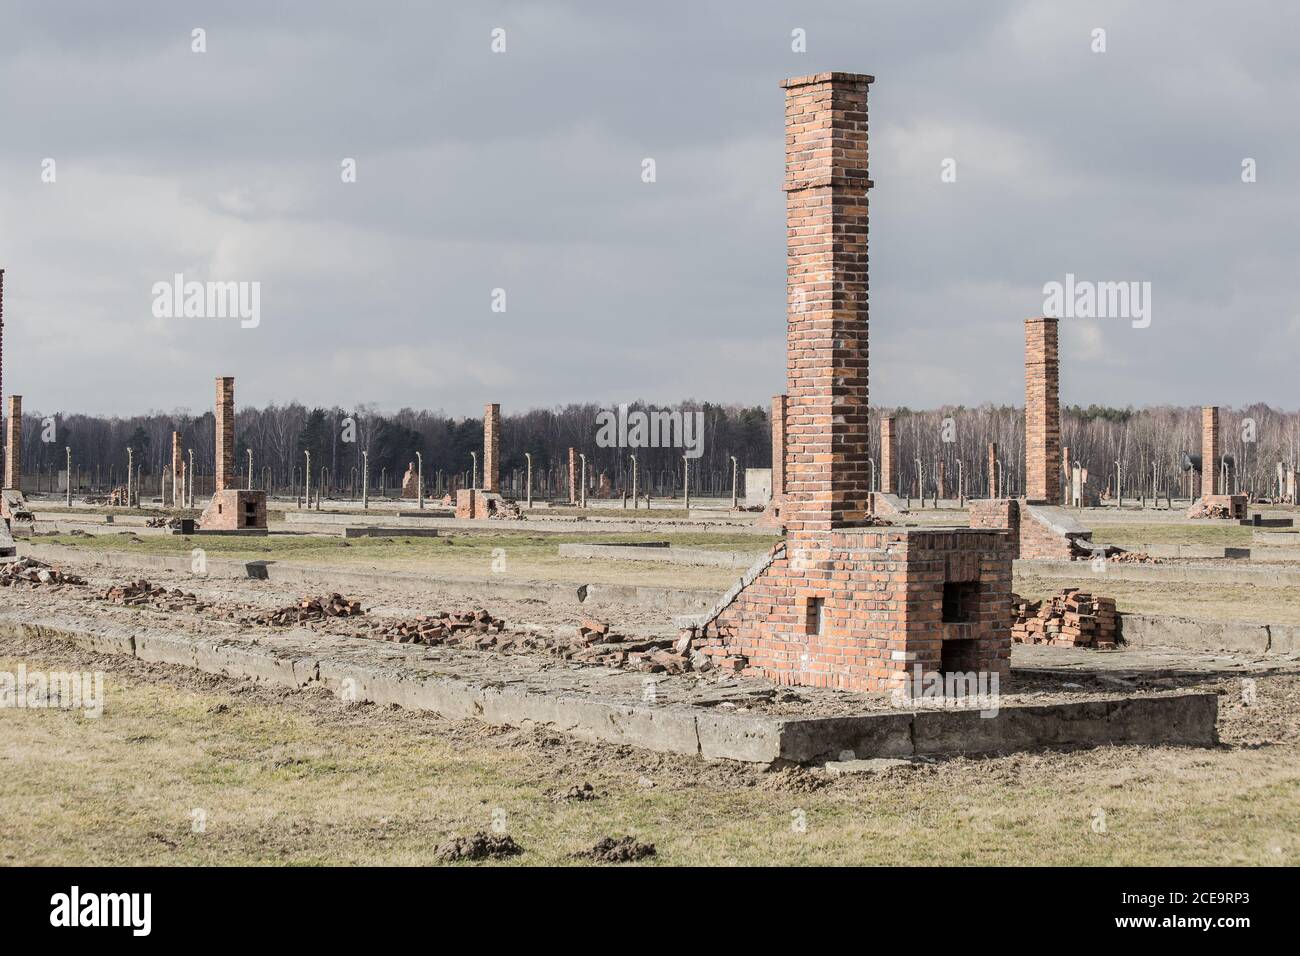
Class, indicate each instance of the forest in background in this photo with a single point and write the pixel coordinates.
(1150, 445)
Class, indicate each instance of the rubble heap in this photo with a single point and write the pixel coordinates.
(1071, 618)
(143, 594)
(1082, 549)
(163, 522)
(309, 609)
(477, 628)
(1202, 509)
(34, 573)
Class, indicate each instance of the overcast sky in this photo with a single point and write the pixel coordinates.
(522, 171)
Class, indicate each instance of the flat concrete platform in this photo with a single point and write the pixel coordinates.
(682, 715)
(1081, 572)
(699, 557)
(369, 531)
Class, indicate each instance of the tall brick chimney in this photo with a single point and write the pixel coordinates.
(994, 489)
(14, 443)
(1209, 450)
(573, 475)
(178, 470)
(778, 446)
(888, 455)
(492, 448)
(225, 447)
(827, 436)
(1042, 413)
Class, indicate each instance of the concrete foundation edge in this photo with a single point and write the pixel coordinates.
(1187, 719)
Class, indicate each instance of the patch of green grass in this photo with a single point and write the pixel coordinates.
(1210, 533)
(528, 555)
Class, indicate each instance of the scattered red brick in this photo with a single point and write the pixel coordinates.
(1072, 618)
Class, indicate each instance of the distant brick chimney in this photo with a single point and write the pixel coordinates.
(778, 446)
(1042, 413)
(1210, 454)
(827, 434)
(492, 448)
(178, 470)
(888, 455)
(225, 448)
(14, 443)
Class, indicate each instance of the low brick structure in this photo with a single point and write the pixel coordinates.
(862, 609)
(1039, 532)
(475, 503)
(235, 509)
(1230, 507)
(840, 603)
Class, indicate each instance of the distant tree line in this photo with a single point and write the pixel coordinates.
(1150, 444)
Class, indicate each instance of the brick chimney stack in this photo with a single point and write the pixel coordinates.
(888, 455)
(778, 446)
(1210, 450)
(1042, 413)
(492, 448)
(225, 447)
(14, 444)
(827, 435)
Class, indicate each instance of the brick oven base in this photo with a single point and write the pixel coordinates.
(860, 609)
(235, 510)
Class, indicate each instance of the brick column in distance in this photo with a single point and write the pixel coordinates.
(492, 448)
(940, 482)
(888, 454)
(178, 469)
(573, 476)
(225, 447)
(993, 470)
(14, 444)
(1209, 450)
(827, 434)
(778, 446)
(1042, 412)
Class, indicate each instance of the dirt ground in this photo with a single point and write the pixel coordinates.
(187, 767)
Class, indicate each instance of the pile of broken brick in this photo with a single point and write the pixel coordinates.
(475, 628)
(33, 573)
(163, 522)
(1071, 618)
(1201, 510)
(596, 644)
(309, 609)
(143, 594)
(1111, 552)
